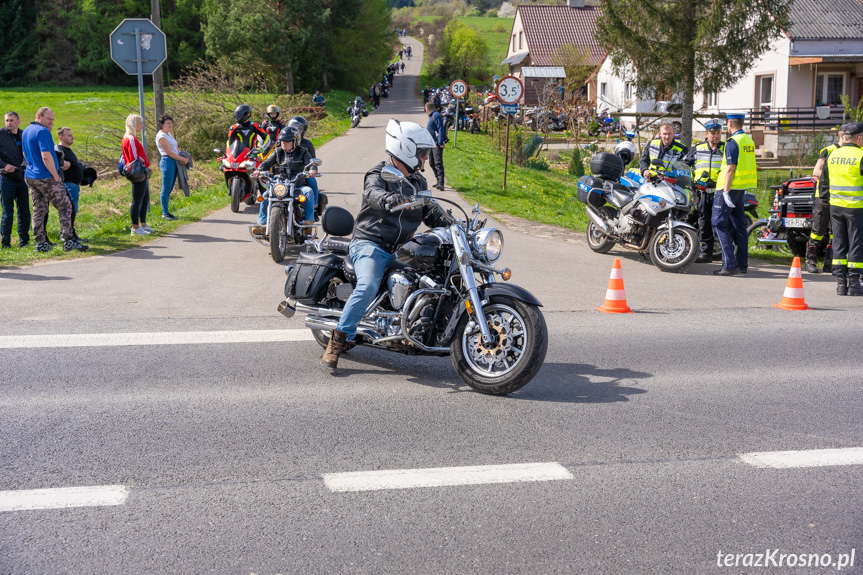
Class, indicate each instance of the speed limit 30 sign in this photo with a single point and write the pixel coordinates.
(458, 89)
(509, 90)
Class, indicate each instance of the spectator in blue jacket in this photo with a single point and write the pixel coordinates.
(436, 129)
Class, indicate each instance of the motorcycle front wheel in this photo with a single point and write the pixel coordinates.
(678, 256)
(278, 234)
(512, 359)
(355, 121)
(236, 191)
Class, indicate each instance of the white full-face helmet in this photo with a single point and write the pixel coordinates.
(626, 151)
(408, 143)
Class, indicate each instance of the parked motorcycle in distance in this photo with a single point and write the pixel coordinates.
(237, 164)
(606, 124)
(430, 302)
(357, 110)
(650, 219)
(286, 210)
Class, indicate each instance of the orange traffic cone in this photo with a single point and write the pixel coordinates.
(793, 297)
(615, 297)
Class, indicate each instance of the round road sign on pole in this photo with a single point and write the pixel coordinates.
(458, 89)
(509, 90)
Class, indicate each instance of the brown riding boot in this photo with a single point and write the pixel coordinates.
(310, 231)
(338, 344)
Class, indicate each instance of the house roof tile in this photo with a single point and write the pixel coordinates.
(826, 19)
(547, 28)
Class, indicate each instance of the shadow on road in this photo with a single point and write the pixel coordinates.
(144, 253)
(202, 239)
(30, 277)
(583, 383)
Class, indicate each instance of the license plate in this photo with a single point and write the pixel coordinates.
(798, 223)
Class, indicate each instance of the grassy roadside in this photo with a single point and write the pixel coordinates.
(103, 215)
(475, 169)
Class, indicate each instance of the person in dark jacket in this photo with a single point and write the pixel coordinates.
(301, 124)
(664, 148)
(292, 158)
(379, 231)
(435, 127)
(13, 189)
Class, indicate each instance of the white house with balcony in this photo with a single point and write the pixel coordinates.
(796, 84)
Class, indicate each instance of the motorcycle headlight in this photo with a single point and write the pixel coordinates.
(488, 243)
(280, 190)
(249, 165)
(680, 197)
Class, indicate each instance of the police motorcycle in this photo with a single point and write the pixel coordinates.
(439, 297)
(357, 110)
(649, 219)
(285, 212)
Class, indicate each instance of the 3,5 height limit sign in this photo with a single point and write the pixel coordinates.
(509, 91)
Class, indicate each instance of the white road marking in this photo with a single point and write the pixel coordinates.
(154, 338)
(445, 476)
(63, 497)
(808, 458)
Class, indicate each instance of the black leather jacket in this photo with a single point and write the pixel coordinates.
(375, 223)
(11, 153)
(295, 162)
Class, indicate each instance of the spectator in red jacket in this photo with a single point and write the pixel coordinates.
(132, 150)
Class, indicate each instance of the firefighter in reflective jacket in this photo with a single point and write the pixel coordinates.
(737, 174)
(706, 159)
(842, 178)
(664, 148)
(820, 233)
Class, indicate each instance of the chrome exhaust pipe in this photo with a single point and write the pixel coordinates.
(773, 242)
(327, 324)
(318, 310)
(596, 219)
(286, 310)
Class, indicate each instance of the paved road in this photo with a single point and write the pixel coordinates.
(165, 372)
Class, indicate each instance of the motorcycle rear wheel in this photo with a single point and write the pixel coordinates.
(236, 190)
(521, 342)
(278, 234)
(597, 240)
(681, 255)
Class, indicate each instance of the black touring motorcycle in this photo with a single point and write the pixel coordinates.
(429, 302)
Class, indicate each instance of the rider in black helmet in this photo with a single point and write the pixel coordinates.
(302, 125)
(244, 130)
(290, 156)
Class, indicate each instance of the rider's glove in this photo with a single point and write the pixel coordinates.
(396, 200)
(727, 197)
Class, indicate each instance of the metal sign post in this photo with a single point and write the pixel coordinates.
(458, 89)
(146, 37)
(509, 91)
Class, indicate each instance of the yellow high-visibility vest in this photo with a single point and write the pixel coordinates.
(746, 174)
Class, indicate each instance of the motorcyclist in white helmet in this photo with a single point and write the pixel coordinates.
(378, 232)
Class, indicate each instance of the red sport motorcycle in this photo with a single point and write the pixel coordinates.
(237, 164)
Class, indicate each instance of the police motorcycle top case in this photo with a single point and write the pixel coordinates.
(643, 214)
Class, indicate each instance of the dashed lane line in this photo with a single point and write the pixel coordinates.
(806, 458)
(153, 338)
(445, 476)
(63, 497)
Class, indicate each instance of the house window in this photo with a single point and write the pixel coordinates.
(711, 99)
(627, 91)
(513, 42)
(829, 88)
(603, 89)
(764, 85)
(520, 39)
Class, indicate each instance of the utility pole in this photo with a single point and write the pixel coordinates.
(158, 78)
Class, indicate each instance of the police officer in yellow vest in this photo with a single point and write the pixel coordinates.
(664, 148)
(706, 158)
(736, 175)
(842, 178)
(821, 216)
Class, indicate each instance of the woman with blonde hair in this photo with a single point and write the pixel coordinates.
(132, 150)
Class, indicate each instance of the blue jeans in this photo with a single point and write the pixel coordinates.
(14, 192)
(729, 226)
(305, 190)
(311, 193)
(169, 178)
(370, 263)
(74, 193)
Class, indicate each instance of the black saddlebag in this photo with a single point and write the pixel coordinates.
(590, 191)
(309, 276)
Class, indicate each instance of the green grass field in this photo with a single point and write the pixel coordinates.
(496, 32)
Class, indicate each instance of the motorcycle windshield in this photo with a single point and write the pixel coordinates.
(237, 149)
(682, 172)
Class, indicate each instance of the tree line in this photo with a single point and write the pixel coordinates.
(292, 45)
